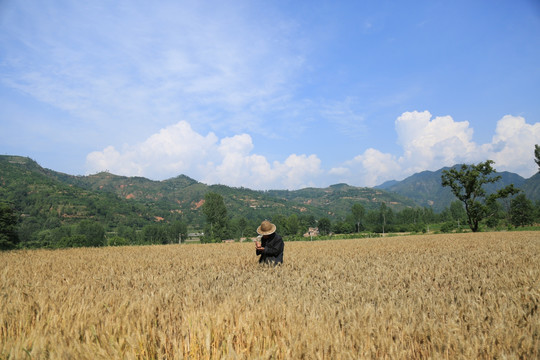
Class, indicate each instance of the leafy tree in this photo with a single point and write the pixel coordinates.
(521, 211)
(8, 228)
(386, 215)
(154, 234)
(93, 233)
(358, 213)
(307, 221)
(76, 240)
(467, 185)
(293, 225)
(495, 209)
(344, 227)
(324, 226)
(406, 216)
(427, 215)
(537, 155)
(238, 227)
(44, 238)
(216, 217)
(447, 227)
(117, 241)
(27, 229)
(281, 223)
(457, 211)
(58, 234)
(52, 222)
(372, 219)
(242, 226)
(177, 231)
(127, 233)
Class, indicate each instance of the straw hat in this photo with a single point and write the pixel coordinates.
(266, 228)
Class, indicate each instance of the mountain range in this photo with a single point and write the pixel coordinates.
(23, 182)
(425, 188)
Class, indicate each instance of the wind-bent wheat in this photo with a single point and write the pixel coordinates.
(438, 296)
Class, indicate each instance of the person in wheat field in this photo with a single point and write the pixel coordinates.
(270, 247)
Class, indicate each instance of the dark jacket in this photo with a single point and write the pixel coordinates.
(273, 249)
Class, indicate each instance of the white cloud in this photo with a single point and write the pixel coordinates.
(512, 146)
(369, 169)
(428, 142)
(299, 170)
(431, 143)
(178, 149)
(174, 150)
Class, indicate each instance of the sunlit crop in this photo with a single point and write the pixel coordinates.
(430, 296)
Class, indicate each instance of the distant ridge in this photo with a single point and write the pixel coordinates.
(425, 187)
(183, 195)
(387, 184)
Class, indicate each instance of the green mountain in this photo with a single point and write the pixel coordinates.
(531, 187)
(46, 198)
(133, 201)
(425, 188)
(40, 197)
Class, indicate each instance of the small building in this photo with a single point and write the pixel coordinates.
(312, 231)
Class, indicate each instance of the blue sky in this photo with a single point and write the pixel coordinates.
(270, 94)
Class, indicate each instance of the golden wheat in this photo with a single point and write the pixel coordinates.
(437, 296)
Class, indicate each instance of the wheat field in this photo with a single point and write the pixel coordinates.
(458, 296)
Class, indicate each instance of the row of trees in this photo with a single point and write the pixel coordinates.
(88, 233)
(91, 233)
(519, 211)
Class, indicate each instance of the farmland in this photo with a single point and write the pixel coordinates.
(440, 296)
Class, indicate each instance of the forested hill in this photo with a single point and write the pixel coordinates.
(134, 200)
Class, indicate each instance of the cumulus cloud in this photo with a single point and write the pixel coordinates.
(372, 166)
(174, 150)
(178, 149)
(428, 142)
(431, 143)
(299, 170)
(512, 145)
